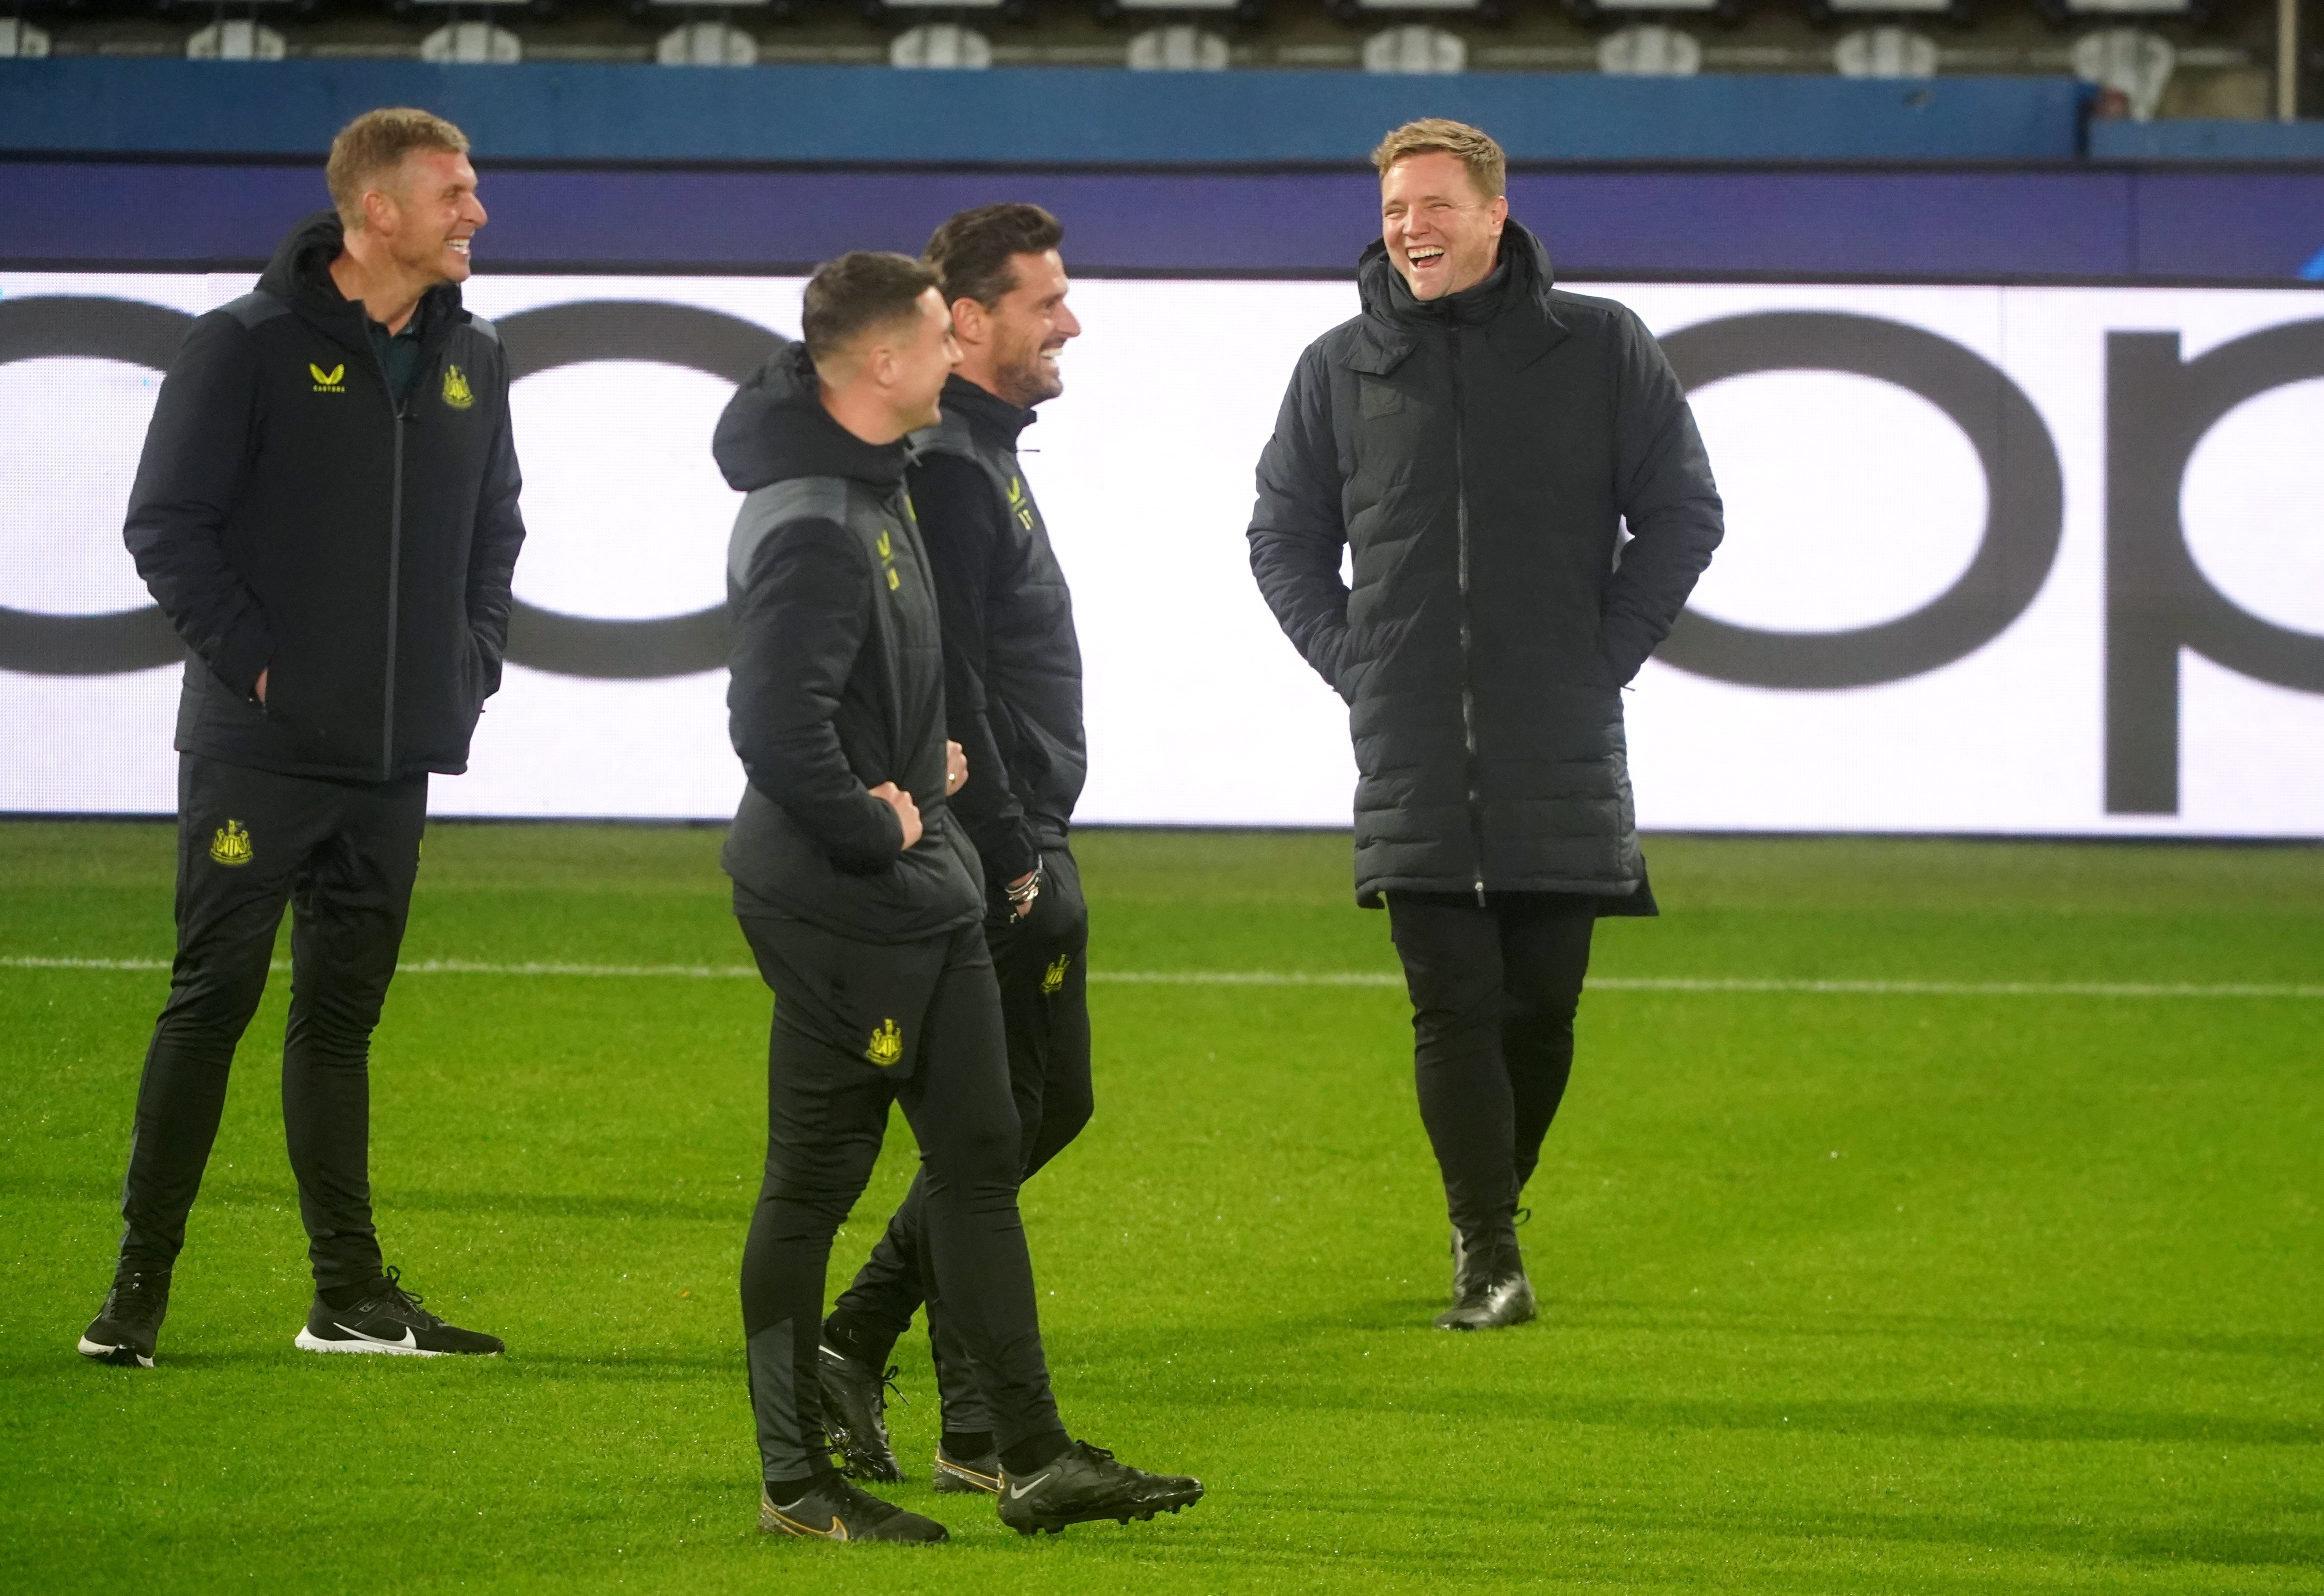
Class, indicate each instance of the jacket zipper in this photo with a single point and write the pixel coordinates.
(394, 589)
(1467, 698)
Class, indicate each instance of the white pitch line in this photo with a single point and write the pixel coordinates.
(1329, 978)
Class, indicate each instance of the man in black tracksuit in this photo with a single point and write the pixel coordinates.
(1013, 701)
(1477, 438)
(859, 895)
(327, 511)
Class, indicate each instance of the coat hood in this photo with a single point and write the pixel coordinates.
(775, 428)
(1514, 304)
(1523, 272)
(299, 275)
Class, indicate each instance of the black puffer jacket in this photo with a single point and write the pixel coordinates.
(290, 517)
(1012, 663)
(837, 680)
(1478, 453)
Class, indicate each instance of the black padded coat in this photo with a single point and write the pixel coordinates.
(1012, 662)
(1480, 454)
(291, 516)
(836, 679)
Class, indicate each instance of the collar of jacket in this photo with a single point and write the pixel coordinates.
(985, 414)
(775, 428)
(299, 275)
(1514, 306)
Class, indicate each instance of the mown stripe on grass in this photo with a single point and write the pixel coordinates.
(1667, 984)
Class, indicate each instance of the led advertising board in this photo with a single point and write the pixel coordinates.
(1999, 559)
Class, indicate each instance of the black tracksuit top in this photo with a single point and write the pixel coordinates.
(1479, 455)
(1012, 662)
(836, 676)
(290, 516)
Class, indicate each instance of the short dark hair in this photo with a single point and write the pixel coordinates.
(972, 251)
(864, 289)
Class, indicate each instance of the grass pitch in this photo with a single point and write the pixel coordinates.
(1857, 1291)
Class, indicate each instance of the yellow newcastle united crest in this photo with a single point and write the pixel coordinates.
(328, 381)
(1055, 977)
(456, 392)
(887, 1044)
(231, 844)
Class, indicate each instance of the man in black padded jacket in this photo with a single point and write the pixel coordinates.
(1477, 438)
(1013, 701)
(327, 511)
(859, 895)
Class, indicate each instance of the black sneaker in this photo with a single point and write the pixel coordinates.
(123, 1332)
(1486, 1302)
(391, 1319)
(855, 1414)
(1083, 1483)
(838, 1510)
(966, 1475)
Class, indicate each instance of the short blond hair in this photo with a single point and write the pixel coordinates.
(1473, 147)
(377, 142)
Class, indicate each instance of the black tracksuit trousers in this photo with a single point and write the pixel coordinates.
(932, 1008)
(342, 857)
(1044, 1013)
(1494, 990)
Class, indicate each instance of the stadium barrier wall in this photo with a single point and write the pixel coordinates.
(1942, 223)
(591, 112)
(2005, 559)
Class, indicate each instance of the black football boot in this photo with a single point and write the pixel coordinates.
(855, 1414)
(126, 1328)
(831, 1509)
(1083, 1484)
(964, 1475)
(1490, 1288)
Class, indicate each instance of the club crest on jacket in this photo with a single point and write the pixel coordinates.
(456, 392)
(887, 1044)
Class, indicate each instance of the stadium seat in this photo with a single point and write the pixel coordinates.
(1178, 47)
(235, 39)
(706, 44)
(21, 40)
(2134, 64)
(1649, 49)
(1885, 52)
(1416, 47)
(707, 33)
(947, 46)
(468, 40)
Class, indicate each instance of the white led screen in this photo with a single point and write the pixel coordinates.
(2043, 560)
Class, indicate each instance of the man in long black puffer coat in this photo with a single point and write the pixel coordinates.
(1479, 439)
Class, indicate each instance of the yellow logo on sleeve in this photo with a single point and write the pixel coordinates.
(231, 844)
(456, 391)
(887, 1046)
(888, 562)
(328, 381)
